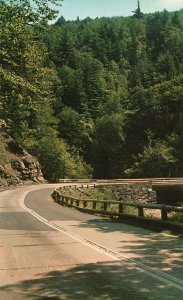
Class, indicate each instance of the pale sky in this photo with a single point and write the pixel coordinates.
(71, 9)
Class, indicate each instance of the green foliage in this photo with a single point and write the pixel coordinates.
(176, 217)
(57, 162)
(90, 92)
(99, 193)
(26, 79)
(4, 159)
(3, 155)
(108, 146)
(137, 13)
(157, 160)
(76, 130)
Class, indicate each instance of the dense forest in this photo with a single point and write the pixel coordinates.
(98, 98)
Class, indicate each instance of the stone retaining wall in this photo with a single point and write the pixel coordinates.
(141, 192)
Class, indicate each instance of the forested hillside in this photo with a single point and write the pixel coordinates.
(101, 98)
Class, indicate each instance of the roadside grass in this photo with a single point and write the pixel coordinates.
(152, 213)
(90, 193)
(3, 153)
(175, 217)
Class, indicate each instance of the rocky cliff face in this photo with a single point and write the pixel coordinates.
(17, 166)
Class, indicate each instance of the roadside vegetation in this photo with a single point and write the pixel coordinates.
(101, 98)
(176, 217)
(101, 193)
(3, 156)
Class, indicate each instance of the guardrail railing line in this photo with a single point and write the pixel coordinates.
(105, 204)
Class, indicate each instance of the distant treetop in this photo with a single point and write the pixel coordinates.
(137, 13)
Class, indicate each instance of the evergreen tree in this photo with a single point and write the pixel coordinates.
(95, 88)
(137, 13)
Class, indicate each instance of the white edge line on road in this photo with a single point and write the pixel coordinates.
(161, 276)
(50, 224)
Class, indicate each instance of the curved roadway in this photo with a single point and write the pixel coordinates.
(52, 252)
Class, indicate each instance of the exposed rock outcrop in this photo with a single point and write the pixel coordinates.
(17, 166)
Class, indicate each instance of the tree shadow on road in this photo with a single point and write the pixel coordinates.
(158, 250)
(102, 281)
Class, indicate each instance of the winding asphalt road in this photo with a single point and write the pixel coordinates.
(52, 252)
